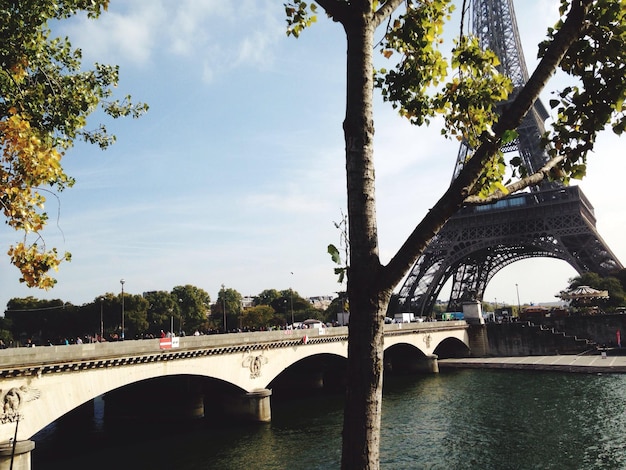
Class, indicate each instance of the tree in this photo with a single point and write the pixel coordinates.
(162, 307)
(45, 98)
(109, 305)
(289, 300)
(194, 306)
(37, 319)
(135, 315)
(229, 299)
(588, 43)
(337, 305)
(266, 297)
(257, 317)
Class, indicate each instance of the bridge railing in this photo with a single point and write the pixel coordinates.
(62, 354)
(41, 355)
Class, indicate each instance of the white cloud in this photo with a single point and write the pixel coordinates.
(130, 36)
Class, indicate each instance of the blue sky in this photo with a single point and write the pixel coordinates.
(236, 174)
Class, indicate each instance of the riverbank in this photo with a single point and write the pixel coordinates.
(565, 363)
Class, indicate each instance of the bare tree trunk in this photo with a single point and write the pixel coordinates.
(367, 295)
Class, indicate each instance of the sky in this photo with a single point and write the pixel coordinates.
(236, 174)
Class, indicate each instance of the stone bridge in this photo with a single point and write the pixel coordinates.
(39, 385)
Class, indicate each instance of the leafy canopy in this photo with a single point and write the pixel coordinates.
(45, 99)
(419, 84)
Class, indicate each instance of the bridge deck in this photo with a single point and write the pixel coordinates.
(43, 359)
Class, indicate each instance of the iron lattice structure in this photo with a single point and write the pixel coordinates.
(549, 221)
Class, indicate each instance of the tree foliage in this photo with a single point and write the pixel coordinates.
(194, 304)
(609, 283)
(588, 43)
(45, 99)
(229, 303)
(266, 297)
(144, 315)
(135, 315)
(258, 317)
(163, 307)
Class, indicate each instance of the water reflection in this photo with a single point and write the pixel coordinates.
(463, 419)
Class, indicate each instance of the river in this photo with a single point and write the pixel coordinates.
(460, 419)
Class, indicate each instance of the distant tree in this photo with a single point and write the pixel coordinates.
(337, 305)
(5, 331)
(439, 308)
(111, 312)
(194, 306)
(289, 300)
(45, 97)
(229, 299)
(37, 319)
(266, 297)
(616, 293)
(621, 275)
(257, 317)
(163, 307)
(585, 279)
(135, 315)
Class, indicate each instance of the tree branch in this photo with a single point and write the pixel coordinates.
(461, 188)
(516, 186)
(385, 11)
(337, 10)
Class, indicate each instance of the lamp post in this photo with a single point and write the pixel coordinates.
(101, 319)
(122, 281)
(180, 320)
(224, 306)
(519, 306)
(291, 300)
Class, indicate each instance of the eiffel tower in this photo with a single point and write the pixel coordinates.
(551, 220)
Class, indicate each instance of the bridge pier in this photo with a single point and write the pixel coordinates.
(20, 456)
(259, 408)
(400, 364)
(478, 340)
(253, 406)
(428, 364)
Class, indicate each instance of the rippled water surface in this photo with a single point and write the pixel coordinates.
(463, 419)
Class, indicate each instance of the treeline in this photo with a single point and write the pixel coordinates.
(183, 311)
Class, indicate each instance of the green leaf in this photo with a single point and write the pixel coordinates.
(334, 254)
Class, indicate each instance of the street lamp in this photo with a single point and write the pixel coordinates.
(180, 320)
(519, 306)
(122, 281)
(291, 297)
(224, 306)
(101, 320)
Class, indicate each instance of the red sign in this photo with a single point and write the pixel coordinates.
(169, 343)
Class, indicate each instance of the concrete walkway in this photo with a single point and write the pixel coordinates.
(585, 364)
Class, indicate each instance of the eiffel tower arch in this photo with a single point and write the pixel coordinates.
(550, 221)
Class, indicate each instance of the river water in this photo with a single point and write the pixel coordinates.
(460, 419)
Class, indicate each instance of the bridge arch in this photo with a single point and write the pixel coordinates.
(451, 347)
(317, 371)
(39, 385)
